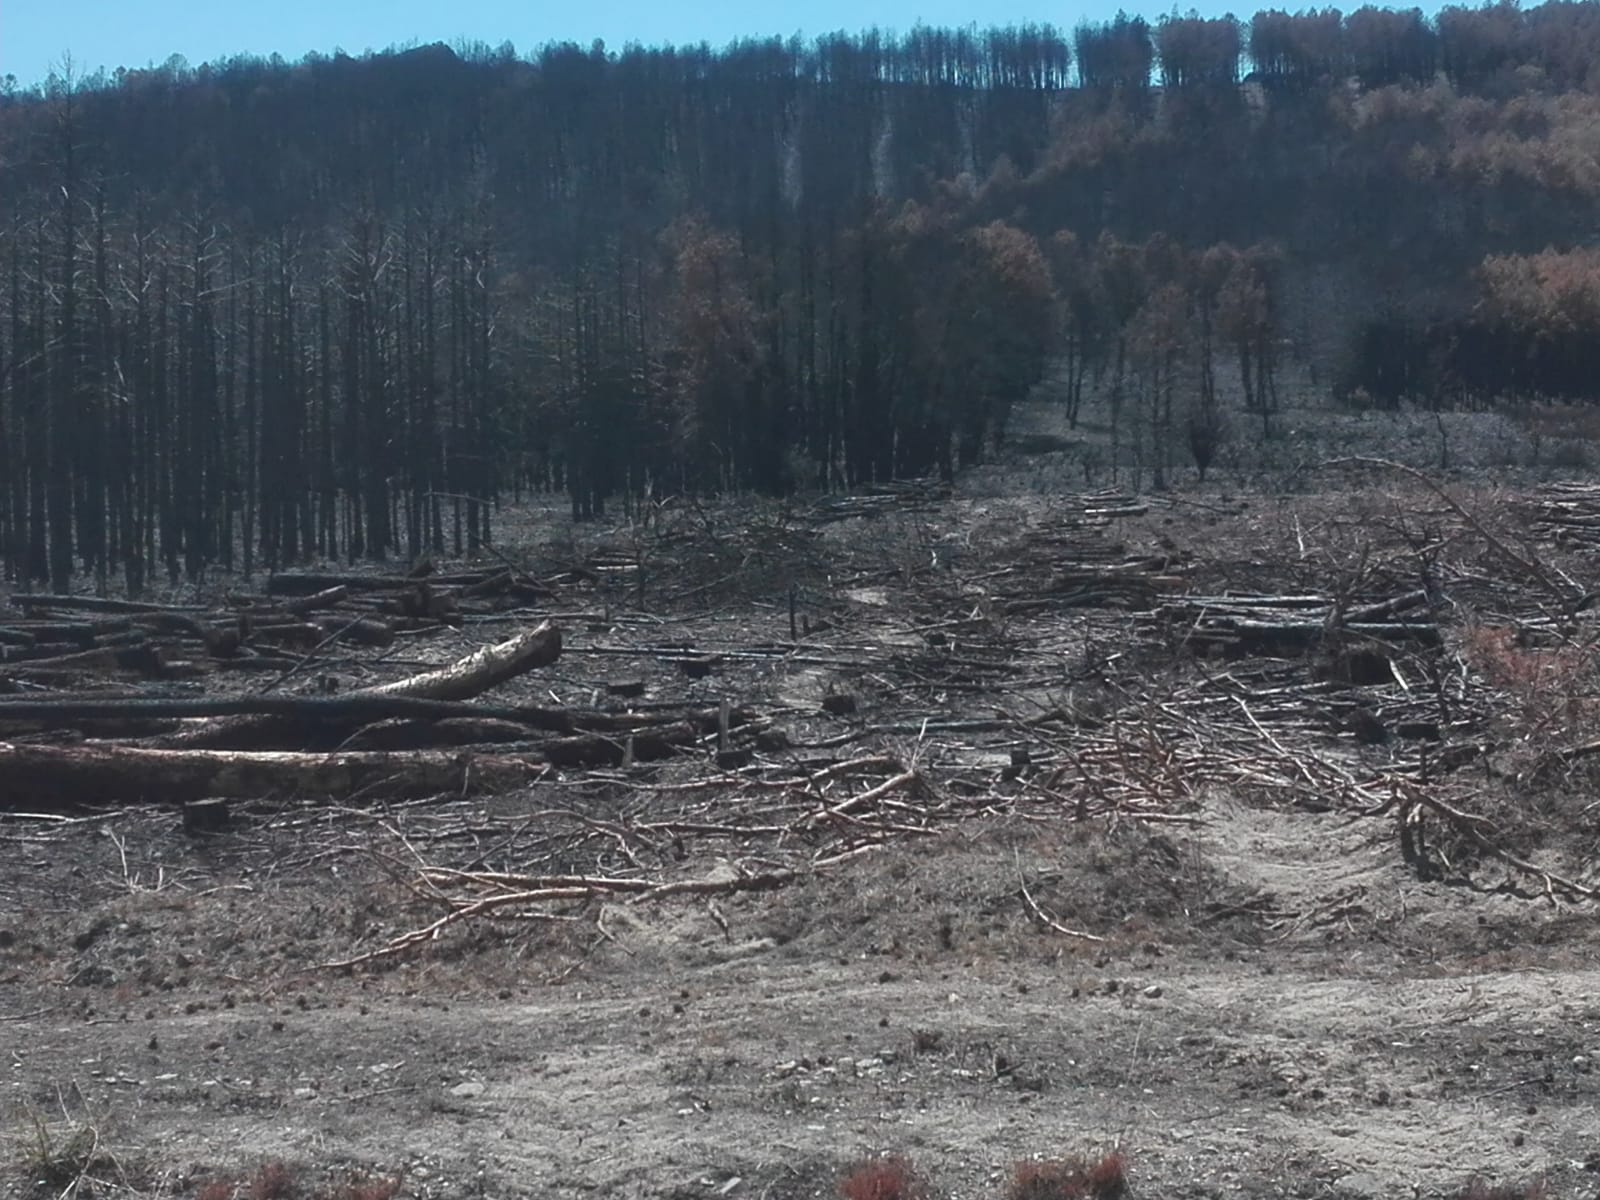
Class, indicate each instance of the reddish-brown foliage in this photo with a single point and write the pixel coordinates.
(273, 1181)
(371, 1189)
(889, 1178)
(1548, 691)
(1070, 1179)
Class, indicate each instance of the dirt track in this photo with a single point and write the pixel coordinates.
(1403, 1036)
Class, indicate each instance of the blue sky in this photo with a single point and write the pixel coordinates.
(36, 34)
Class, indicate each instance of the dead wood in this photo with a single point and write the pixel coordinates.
(414, 734)
(32, 600)
(141, 658)
(330, 597)
(483, 669)
(1560, 586)
(536, 891)
(307, 584)
(62, 776)
(480, 671)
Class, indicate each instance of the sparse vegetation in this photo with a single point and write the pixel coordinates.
(891, 1177)
(68, 1158)
(1102, 1178)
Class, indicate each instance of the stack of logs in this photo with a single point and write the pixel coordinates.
(1293, 626)
(1072, 563)
(1566, 514)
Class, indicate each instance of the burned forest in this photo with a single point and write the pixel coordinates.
(256, 312)
(955, 613)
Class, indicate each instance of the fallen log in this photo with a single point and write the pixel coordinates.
(413, 734)
(32, 600)
(485, 668)
(53, 777)
(360, 707)
(310, 583)
(299, 606)
(480, 671)
(142, 658)
(363, 631)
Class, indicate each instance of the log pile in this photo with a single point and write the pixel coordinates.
(1293, 626)
(1565, 515)
(910, 496)
(1072, 561)
(363, 744)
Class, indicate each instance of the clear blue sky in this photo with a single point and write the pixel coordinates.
(36, 34)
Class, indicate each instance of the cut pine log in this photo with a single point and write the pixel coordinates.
(53, 777)
(478, 672)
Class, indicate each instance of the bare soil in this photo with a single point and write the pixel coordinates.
(1274, 1003)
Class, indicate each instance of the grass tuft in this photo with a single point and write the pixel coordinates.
(273, 1181)
(889, 1178)
(1105, 1178)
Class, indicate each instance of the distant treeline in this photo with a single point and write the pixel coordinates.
(256, 311)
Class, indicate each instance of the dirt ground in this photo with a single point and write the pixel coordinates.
(1273, 1005)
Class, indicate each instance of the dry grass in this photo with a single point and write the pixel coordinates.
(1479, 1189)
(272, 1181)
(276, 1180)
(1105, 1178)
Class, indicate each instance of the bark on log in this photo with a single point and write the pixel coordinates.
(306, 584)
(478, 672)
(299, 606)
(142, 658)
(363, 631)
(32, 600)
(481, 670)
(358, 708)
(53, 777)
(412, 734)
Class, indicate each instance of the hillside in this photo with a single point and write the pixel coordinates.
(258, 311)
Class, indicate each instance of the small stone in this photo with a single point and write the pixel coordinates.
(468, 1090)
(1153, 992)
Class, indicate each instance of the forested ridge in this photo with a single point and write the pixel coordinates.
(257, 311)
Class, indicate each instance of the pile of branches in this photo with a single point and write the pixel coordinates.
(909, 496)
(1292, 626)
(773, 825)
